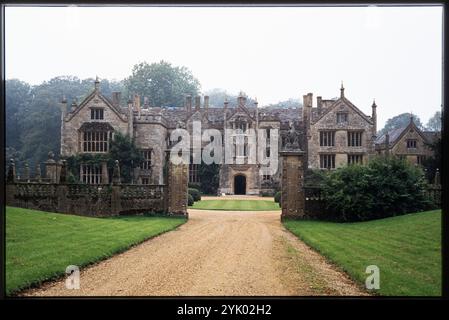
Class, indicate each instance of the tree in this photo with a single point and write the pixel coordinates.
(210, 178)
(123, 149)
(399, 121)
(163, 84)
(33, 114)
(18, 97)
(434, 123)
(433, 163)
(289, 103)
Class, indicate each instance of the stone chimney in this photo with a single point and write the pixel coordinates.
(137, 104)
(307, 111)
(116, 96)
(63, 106)
(188, 103)
(197, 102)
(130, 117)
(319, 104)
(374, 117)
(206, 102)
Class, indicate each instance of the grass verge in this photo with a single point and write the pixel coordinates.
(40, 245)
(236, 205)
(407, 250)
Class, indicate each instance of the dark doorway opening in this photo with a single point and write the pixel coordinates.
(239, 184)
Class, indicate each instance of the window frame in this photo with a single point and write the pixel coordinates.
(346, 117)
(96, 113)
(327, 161)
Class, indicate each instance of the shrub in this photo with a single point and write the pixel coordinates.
(277, 197)
(195, 193)
(190, 201)
(386, 187)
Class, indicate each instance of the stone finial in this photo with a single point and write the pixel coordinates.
(51, 156)
(226, 102)
(374, 105)
(342, 90)
(188, 103)
(256, 103)
(116, 173)
(63, 173)
(241, 99)
(11, 177)
(97, 84)
(38, 174)
(26, 173)
(437, 177)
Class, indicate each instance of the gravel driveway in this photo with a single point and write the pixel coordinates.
(219, 253)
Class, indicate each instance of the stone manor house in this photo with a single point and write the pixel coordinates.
(332, 133)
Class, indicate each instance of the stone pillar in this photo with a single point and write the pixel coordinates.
(116, 173)
(63, 172)
(26, 173)
(293, 199)
(11, 177)
(61, 195)
(37, 175)
(116, 204)
(437, 181)
(51, 168)
(10, 187)
(177, 188)
(104, 173)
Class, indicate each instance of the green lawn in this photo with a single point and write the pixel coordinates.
(407, 250)
(236, 205)
(40, 245)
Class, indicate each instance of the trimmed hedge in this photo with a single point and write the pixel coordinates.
(195, 193)
(387, 186)
(190, 201)
(277, 197)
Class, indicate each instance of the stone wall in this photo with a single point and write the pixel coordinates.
(328, 121)
(55, 195)
(293, 199)
(152, 136)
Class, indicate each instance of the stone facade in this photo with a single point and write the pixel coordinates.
(331, 118)
(407, 142)
(151, 127)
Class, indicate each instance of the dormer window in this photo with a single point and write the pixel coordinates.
(342, 117)
(242, 125)
(96, 113)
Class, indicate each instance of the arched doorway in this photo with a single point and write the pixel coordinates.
(239, 184)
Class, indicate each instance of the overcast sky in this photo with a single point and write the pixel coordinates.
(390, 54)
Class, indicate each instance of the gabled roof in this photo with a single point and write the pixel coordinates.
(94, 93)
(396, 134)
(240, 109)
(346, 102)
